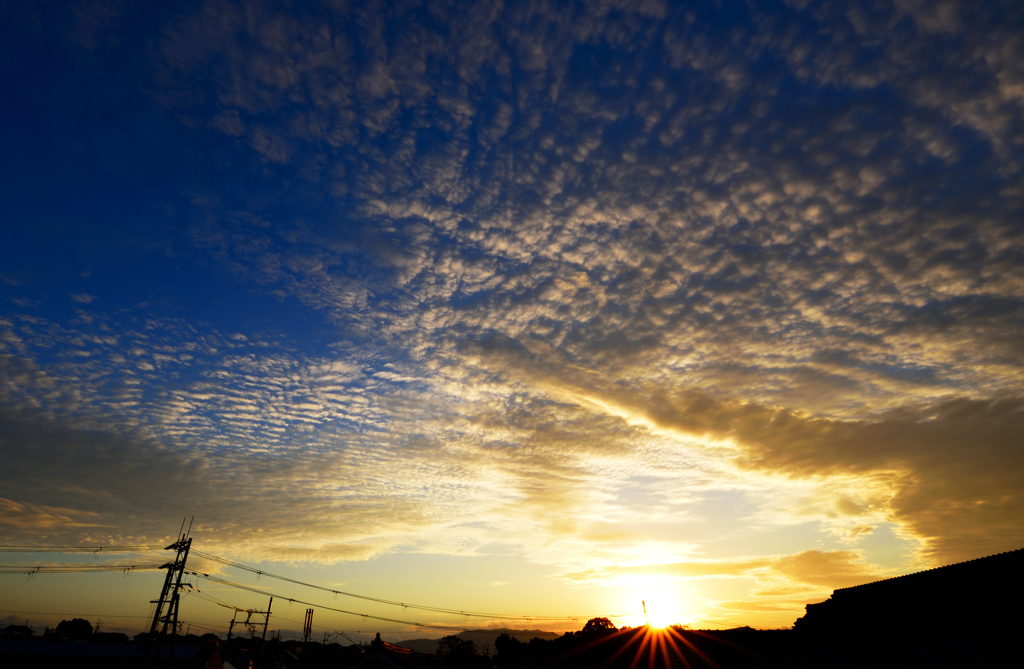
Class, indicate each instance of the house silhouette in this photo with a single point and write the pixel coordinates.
(966, 612)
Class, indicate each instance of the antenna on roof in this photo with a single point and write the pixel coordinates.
(644, 604)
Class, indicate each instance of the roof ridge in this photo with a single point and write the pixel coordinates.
(925, 571)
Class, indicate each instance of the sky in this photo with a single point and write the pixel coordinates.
(537, 308)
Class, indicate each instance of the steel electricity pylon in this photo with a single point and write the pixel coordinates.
(166, 614)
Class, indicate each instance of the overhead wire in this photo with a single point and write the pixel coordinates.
(221, 581)
(76, 549)
(73, 569)
(215, 628)
(193, 591)
(29, 570)
(379, 600)
(212, 600)
(77, 615)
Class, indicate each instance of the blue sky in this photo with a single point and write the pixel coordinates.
(723, 298)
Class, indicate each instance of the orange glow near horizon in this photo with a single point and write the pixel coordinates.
(655, 648)
(659, 612)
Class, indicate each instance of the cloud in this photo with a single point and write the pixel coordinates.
(245, 405)
(108, 473)
(229, 122)
(780, 606)
(567, 254)
(946, 469)
(827, 569)
(242, 410)
(46, 518)
(807, 571)
(703, 569)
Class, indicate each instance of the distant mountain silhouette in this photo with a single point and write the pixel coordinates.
(483, 638)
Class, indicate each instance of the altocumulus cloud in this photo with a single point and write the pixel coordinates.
(564, 250)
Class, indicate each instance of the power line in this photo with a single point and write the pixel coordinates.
(73, 569)
(216, 579)
(215, 628)
(75, 549)
(193, 591)
(390, 602)
(259, 572)
(196, 592)
(77, 615)
(211, 599)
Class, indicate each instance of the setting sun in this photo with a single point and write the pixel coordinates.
(660, 611)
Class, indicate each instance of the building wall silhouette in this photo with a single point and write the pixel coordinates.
(981, 599)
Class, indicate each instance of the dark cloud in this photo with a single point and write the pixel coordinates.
(104, 487)
(95, 482)
(37, 518)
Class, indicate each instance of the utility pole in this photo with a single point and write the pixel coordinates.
(307, 626)
(265, 621)
(249, 623)
(169, 596)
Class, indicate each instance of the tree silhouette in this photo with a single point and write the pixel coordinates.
(511, 650)
(598, 626)
(77, 629)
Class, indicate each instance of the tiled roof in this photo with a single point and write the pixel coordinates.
(956, 566)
